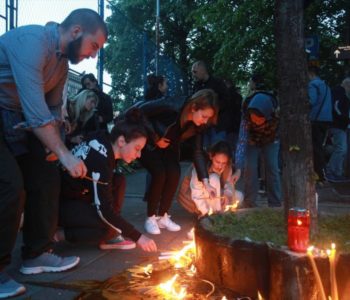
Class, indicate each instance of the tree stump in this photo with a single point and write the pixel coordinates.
(240, 265)
(249, 267)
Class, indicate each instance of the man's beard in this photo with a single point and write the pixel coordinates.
(73, 50)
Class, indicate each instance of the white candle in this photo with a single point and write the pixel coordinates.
(332, 261)
(315, 270)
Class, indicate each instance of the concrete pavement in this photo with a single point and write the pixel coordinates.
(98, 264)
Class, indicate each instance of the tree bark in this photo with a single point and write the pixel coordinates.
(298, 175)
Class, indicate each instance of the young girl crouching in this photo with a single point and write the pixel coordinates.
(195, 198)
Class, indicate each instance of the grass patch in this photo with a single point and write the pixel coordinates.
(267, 225)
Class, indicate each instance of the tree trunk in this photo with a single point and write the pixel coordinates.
(298, 175)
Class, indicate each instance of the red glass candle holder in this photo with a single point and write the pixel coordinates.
(298, 229)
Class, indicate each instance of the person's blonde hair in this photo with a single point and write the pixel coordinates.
(202, 99)
(76, 107)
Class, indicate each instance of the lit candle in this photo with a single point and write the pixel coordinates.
(259, 296)
(315, 270)
(332, 260)
(298, 229)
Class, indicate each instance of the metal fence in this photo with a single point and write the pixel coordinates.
(8, 14)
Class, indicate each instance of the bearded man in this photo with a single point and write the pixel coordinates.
(33, 71)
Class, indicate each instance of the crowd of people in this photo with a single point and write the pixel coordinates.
(58, 160)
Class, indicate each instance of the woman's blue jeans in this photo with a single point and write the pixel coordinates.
(270, 153)
(339, 141)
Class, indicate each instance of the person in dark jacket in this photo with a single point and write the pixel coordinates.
(341, 109)
(235, 110)
(203, 80)
(161, 158)
(157, 87)
(259, 134)
(104, 107)
(88, 208)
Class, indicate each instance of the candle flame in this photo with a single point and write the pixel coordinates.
(299, 222)
(183, 257)
(333, 246)
(148, 269)
(210, 212)
(168, 289)
(168, 285)
(310, 250)
(259, 296)
(232, 207)
(224, 298)
(193, 269)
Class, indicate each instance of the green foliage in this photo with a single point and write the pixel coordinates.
(243, 30)
(124, 52)
(235, 38)
(267, 225)
(330, 21)
(124, 58)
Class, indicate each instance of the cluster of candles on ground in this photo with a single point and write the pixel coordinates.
(182, 261)
(298, 241)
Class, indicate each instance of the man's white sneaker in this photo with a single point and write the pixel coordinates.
(151, 225)
(165, 222)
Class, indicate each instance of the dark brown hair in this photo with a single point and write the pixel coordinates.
(222, 147)
(153, 82)
(88, 19)
(89, 76)
(132, 125)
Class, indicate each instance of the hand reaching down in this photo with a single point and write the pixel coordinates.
(146, 244)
